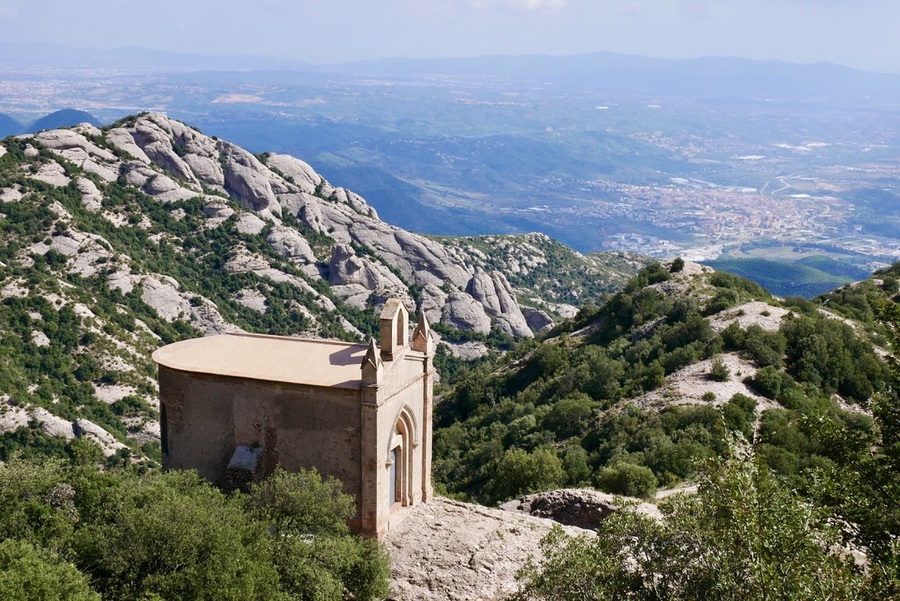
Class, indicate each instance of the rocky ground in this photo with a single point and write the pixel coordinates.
(456, 551)
(446, 549)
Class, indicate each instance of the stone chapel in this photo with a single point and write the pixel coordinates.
(233, 406)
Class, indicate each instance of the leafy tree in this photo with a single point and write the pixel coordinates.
(743, 536)
(174, 535)
(301, 503)
(315, 557)
(519, 472)
(33, 574)
(627, 479)
(863, 488)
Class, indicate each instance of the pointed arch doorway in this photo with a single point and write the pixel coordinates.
(400, 462)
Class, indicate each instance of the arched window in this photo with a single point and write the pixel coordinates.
(401, 330)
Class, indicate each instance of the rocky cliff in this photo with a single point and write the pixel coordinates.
(366, 260)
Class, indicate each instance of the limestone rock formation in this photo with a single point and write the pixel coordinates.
(497, 297)
(290, 243)
(465, 313)
(537, 320)
(246, 181)
(172, 161)
(303, 217)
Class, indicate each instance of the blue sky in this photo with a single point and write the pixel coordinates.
(857, 33)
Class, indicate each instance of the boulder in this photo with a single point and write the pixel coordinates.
(537, 320)
(296, 171)
(248, 223)
(164, 189)
(465, 313)
(579, 507)
(53, 174)
(252, 299)
(290, 243)
(163, 295)
(91, 197)
(245, 180)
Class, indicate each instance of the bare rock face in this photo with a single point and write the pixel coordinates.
(164, 295)
(164, 189)
(299, 173)
(445, 549)
(248, 223)
(13, 417)
(496, 295)
(354, 201)
(91, 197)
(245, 180)
(289, 242)
(431, 302)
(53, 174)
(465, 313)
(123, 140)
(76, 148)
(537, 320)
(347, 268)
(137, 174)
(481, 288)
(200, 153)
(153, 135)
(359, 279)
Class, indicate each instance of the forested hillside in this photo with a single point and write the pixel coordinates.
(684, 370)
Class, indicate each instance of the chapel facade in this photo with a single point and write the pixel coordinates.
(234, 406)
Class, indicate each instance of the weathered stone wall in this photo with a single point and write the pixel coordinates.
(297, 426)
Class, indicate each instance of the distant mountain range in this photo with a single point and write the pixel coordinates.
(718, 76)
(56, 119)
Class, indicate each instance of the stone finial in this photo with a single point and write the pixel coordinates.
(422, 340)
(394, 328)
(372, 365)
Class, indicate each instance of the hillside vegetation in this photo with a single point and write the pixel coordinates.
(783, 413)
(72, 532)
(631, 396)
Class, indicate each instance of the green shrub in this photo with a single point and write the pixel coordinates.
(719, 371)
(627, 479)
